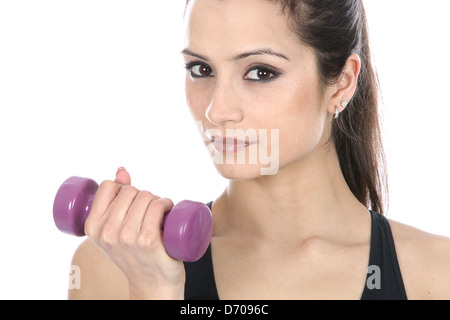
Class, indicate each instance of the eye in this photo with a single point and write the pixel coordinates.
(261, 74)
(199, 70)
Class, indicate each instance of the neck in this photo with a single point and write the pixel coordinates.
(306, 199)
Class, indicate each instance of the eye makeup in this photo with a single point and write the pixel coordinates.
(258, 73)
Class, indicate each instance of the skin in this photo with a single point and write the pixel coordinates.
(301, 230)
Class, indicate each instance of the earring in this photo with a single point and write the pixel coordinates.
(344, 105)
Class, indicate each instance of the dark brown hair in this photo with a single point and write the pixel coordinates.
(335, 29)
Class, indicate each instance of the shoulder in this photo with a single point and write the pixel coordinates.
(100, 278)
(424, 260)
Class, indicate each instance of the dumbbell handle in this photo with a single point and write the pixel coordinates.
(187, 227)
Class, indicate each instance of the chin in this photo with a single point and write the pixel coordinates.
(242, 172)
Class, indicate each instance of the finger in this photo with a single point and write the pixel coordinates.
(118, 209)
(154, 218)
(135, 216)
(106, 193)
(122, 176)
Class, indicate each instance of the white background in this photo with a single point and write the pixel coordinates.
(87, 86)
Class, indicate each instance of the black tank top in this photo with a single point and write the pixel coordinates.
(384, 280)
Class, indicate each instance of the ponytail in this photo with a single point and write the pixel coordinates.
(335, 29)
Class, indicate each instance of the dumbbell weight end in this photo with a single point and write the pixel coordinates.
(73, 203)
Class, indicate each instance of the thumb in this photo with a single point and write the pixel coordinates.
(122, 176)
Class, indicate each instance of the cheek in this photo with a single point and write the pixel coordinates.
(301, 122)
(196, 100)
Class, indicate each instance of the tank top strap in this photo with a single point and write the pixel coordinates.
(384, 280)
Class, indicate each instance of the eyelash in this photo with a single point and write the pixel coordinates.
(189, 66)
(275, 74)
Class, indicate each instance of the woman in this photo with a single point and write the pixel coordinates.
(299, 74)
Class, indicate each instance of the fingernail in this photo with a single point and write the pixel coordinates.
(120, 169)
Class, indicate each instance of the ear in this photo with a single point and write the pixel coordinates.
(346, 85)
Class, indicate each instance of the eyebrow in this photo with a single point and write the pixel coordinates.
(259, 52)
(192, 54)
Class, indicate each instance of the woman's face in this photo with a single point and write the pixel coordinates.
(247, 71)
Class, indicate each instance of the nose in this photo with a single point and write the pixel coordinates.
(225, 106)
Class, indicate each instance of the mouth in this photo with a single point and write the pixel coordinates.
(229, 144)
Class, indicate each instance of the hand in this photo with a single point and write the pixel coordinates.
(126, 224)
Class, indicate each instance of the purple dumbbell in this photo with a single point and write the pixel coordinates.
(187, 227)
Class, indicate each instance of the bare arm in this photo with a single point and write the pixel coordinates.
(436, 268)
(424, 261)
(100, 278)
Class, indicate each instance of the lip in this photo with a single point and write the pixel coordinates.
(229, 144)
